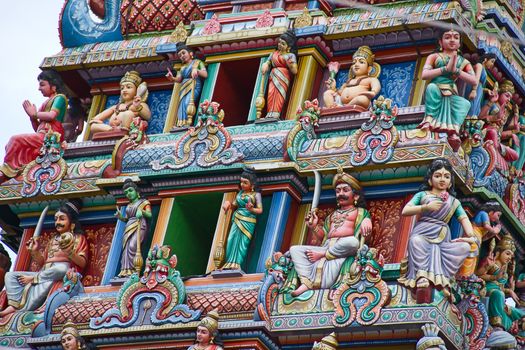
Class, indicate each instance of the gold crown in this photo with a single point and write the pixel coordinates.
(342, 177)
(506, 243)
(131, 77)
(211, 321)
(366, 53)
(69, 328)
(507, 86)
(327, 343)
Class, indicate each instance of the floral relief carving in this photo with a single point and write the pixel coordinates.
(386, 222)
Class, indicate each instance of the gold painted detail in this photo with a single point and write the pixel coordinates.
(304, 20)
(179, 35)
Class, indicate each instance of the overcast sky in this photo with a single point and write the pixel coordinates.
(29, 33)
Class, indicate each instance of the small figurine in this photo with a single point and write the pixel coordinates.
(247, 205)
(191, 76)
(519, 146)
(496, 112)
(207, 333)
(362, 84)
(475, 92)
(498, 276)
(432, 256)
(75, 117)
(70, 338)
(138, 213)
(67, 248)
(431, 339)
(282, 65)
(445, 111)
(486, 225)
(22, 149)
(320, 267)
(132, 103)
(327, 343)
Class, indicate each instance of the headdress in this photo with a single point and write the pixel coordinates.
(430, 338)
(131, 77)
(211, 321)
(327, 343)
(507, 86)
(72, 206)
(506, 243)
(366, 53)
(342, 177)
(69, 328)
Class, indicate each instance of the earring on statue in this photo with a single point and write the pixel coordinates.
(355, 201)
(72, 227)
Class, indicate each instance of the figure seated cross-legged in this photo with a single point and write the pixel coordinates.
(320, 267)
(362, 85)
(133, 94)
(66, 249)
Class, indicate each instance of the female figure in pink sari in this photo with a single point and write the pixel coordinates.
(22, 149)
(283, 64)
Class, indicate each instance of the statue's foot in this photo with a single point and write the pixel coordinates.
(422, 283)
(302, 288)
(8, 310)
(424, 126)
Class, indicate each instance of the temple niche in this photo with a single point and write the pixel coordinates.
(270, 175)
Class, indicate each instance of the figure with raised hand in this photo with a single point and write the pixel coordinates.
(66, 249)
(445, 110)
(475, 92)
(132, 104)
(138, 214)
(343, 232)
(433, 257)
(191, 76)
(362, 84)
(23, 149)
(247, 205)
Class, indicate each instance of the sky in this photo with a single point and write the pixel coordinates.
(29, 33)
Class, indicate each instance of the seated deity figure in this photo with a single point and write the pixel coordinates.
(433, 257)
(362, 84)
(133, 94)
(66, 249)
(23, 149)
(319, 267)
(445, 110)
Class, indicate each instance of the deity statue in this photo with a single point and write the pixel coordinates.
(191, 76)
(23, 149)
(498, 276)
(138, 213)
(247, 205)
(132, 104)
(327, 343)
(486, 225)
(207, 333)
(343, 232)
(432, 256)
(431, 339)
(362, 84)
(281, 64)
(475, 92)
(70, 338)
(66, 249)
(519, 164)
(495, 112)
(445, 110)
(5, 265)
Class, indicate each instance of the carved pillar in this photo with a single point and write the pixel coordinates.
(166, 207)
(218, 246)
(260, 84)
(115, 251)
(273, 236)
(419, 84)
(300, 229)
(171, 116)
(211, 80)
(97, 105)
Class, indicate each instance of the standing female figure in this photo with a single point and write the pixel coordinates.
(432, 256)
(247, 205)
(445, 110)
(283, 64)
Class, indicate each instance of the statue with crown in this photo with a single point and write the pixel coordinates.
(207, 337)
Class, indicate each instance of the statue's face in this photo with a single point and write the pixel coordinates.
(494, 216)
(185, 56)
(344, 195)
(506, 256)
(283, 46)
(360, 66)
(62, 222)
(246, 185)
(490, 63)
(45, 88)
(128, 91)
(203, 335)
(505, 97)
(131, 194)
(450, 40)
(69, 342)
(441, 179)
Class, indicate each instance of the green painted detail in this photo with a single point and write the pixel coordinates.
(165, 137)
(254, 250)
(289, 299)
(323, 320)
(253, 110)
(89, 159)
(37, 207)
(209, 83)
(278, 323)
(190, 230)
(4, 342)
(346, 12)
(339, 133)
(191, 169)
(292, 322)
(386, 316)
(308, 321)
(260, 128)
(19, 342)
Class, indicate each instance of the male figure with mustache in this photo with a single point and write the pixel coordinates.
(66, 249)
(319, 267)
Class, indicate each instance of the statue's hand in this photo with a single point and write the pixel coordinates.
(139, 214)
(32, 244)
(194, 73)
(136, 103)
(170, 76)
(493, 95)
(312, 219)
(366, 228)
(330, 84)
(433, 206)
(226, 205)
(472, 94)
(249, 205)
(265, 67)
(30, 109)
(23, 280)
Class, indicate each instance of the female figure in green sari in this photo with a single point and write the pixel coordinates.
(497, 276)
(248, 204)
(445, 110)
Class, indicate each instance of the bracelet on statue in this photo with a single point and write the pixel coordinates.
(139, 108)
(457, 72)
(443, 70)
